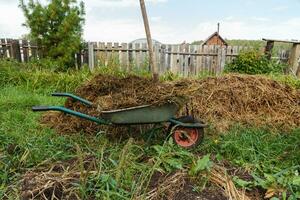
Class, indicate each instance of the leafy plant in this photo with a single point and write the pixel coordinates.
(253, 62)
(56, 27)
(201, 164)
(172, 157)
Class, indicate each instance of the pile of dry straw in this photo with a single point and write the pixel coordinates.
(220, 101)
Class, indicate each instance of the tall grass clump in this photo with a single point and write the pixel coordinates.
(33, 76)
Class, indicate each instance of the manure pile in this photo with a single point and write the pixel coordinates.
(220, 101)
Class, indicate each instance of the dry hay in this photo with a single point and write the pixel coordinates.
(58, 181)
(245, 99)
(221, 101)
(170, 186)
(219, 177)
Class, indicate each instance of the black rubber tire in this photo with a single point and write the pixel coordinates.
(187, 119)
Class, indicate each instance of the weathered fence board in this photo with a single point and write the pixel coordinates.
(184, 59)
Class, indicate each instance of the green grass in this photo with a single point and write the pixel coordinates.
(124, 166)
(272, 158)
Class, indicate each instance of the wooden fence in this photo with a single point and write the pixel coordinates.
(184, 59)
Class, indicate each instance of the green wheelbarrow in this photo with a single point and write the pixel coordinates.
(186, 131)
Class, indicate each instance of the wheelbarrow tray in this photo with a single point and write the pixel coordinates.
(146, 114)
(187, 132)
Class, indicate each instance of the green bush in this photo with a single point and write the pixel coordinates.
(57, 27)
(253, 62)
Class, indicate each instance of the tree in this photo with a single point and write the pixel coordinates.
(56, 27)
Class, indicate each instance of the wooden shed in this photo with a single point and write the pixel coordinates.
(215, 39)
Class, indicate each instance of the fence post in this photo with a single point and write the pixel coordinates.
(91, 56)
(15, 49)
(3, 48)
(25, 50)
(293, 61)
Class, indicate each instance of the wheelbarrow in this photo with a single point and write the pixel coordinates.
(186, 131)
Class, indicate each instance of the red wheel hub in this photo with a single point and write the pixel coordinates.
(186, 137)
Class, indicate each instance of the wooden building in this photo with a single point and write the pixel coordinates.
(215, 39)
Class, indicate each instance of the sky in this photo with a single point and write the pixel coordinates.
(175, 21)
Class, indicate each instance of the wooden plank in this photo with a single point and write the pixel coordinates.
(186, 60)
(101, 54)
(228, 54)
(96, 54)
(219, 60)
(199, 60)
(124, 57)
(168, 58)
(137, 55)
(234, 51)
(115, 55)
(130, 57)
(194, 49)
(181, 60)
(108, 54)
(9, 47)
(294, 58)
(282, 41)
(4, 48)
(205, 58)
(208, 59)
(162, 59)
(25, 50)
(134, 60)
(215, 59)
(78, 60)
(33, 50)
(145, 58)
(15, 50)
(85, 56)
(91, 56)
(223, 59)
(156, 51)
(178, 61)
(268, 49)
(172, 60)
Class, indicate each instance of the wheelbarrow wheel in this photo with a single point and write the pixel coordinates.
(186, 137)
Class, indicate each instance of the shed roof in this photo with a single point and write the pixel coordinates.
(212, 35)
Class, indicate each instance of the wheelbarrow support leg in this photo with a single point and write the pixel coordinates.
(187, 125)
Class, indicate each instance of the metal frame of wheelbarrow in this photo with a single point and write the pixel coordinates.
(145, 114)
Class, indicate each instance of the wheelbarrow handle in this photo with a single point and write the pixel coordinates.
(77, 98)
(70, 112)
(41, 108)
